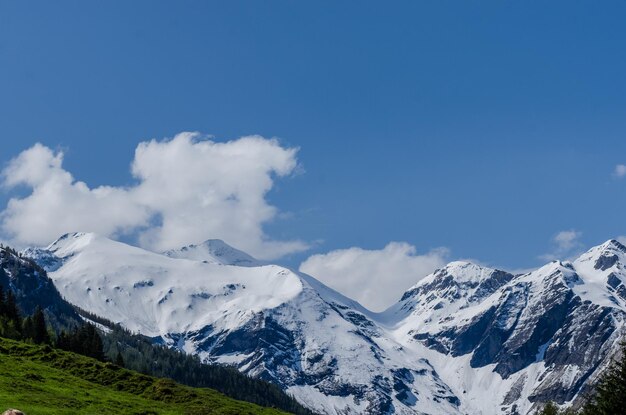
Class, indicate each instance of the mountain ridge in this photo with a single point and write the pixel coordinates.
(461, 335)
(216, 251)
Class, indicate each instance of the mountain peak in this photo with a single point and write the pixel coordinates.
(465, 272)
(604, 256)
(214, 251)
(614, 244)
(462, 264)
(459, 279)
(71, 238)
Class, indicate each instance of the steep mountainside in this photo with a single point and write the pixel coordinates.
(32, 287)
(270, 322)
(41, 380)
(466, 339)
(517, 339)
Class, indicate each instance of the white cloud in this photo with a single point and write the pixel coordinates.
(620, 171)
(59, 204)
(375, 278)
(567, 240)
(566, 245)
(189, 189)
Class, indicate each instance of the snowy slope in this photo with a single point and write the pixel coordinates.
(516, 340)
(465, 340)
(214, 251)
(269, 321)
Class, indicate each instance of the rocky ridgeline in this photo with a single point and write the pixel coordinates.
(466, 339)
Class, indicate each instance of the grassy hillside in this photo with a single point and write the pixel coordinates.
(43, 380)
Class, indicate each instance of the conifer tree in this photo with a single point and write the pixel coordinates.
(40, 330)
(119, 360)
(62, 341)
(84, 340)
(12, 312)
(94, 343)
(2, 302)
(28, 329)
(13, 321)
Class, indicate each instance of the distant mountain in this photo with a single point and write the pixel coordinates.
(214, 251)
(465, 340)
(516, 340)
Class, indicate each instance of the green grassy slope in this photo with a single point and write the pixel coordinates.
(42, 380)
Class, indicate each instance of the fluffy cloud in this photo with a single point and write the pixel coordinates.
(566, 245)
(620, 171)
(376, 278)
(189, 189)
(59, 204)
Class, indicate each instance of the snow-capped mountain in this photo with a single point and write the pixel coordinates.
(215, 251)
(515, 340)
(271, 322)
(465, 340)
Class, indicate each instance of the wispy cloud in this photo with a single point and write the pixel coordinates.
(189, 189)
(619, 171)
(565, 245)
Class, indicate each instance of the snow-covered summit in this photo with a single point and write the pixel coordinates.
(156, 294)
(267, 320)
(465, 339)
(215, 251)
(518, 339)
(456, 286)
(603, 257)
(463, 275)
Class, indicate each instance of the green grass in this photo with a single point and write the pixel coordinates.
(42, 380)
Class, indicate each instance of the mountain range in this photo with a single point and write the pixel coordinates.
(466, 339)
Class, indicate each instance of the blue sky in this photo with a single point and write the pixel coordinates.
(483, 127)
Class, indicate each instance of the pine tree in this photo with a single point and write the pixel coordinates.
(28, 329)
(84, 340)
(2, 302)
(12, 322)
(12, 312)
(119, 360)
(40, 330)
(62, 341)
(94, 343)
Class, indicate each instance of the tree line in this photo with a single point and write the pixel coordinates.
(141, 354)
(138, 353)
(14, 326)
(83, 339)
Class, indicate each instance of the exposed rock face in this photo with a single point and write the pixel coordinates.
(268, 321)
(465, 340)
(547, 334)
(32, 287)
